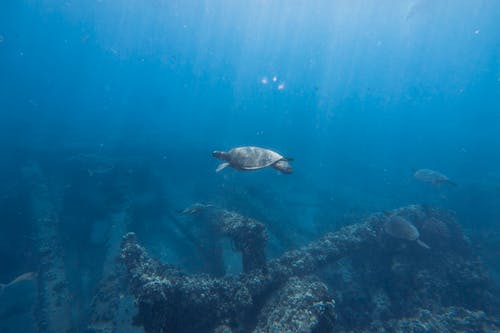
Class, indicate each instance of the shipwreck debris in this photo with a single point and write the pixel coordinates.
(53, 309)
(288, 295)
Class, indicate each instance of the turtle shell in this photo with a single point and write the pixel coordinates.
(252, 158)
(401, 228)
(430, 176)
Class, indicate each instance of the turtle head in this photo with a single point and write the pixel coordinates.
(283, 166)
(221, 155)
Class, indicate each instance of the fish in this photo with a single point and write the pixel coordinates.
(94, 163)
(419, 8)
(100, 169)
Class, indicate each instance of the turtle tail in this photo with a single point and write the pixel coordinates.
(288, 159)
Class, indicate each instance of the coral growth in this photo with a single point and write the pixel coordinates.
(377, 281)
(301, 305)
(247, 235)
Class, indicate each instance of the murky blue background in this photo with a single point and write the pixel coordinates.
(359, 93)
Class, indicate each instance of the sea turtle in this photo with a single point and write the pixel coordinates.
(252, 158)
(401, 228)
(434, 177)
(23, 277)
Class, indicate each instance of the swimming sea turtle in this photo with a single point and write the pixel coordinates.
(399, 227)
(434, 177)
(252, 158)
(23, 277)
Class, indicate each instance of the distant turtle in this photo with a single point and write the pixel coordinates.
(23, 277)
(252, 158)
(434, 177)
(401, 228)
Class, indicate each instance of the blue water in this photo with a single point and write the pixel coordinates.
(359, 93)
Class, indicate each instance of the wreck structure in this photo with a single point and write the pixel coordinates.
(357, 278)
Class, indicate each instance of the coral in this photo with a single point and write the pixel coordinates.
(436, 228)
(397, 277)
(53, 308)
(376, 280)
(447, 320)
(301, 305)
(171, 301)
(248, 235)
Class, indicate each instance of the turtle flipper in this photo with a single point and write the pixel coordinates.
(422, 244)
(221, 166)
(448, 182)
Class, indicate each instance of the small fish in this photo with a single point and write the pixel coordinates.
(196, 209)
(94, 163)
(23, 277)
(100, 169)
(419, 8)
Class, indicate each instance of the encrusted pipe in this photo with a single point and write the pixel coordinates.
(53, 310)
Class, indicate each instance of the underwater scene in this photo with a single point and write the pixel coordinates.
(259, 166)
